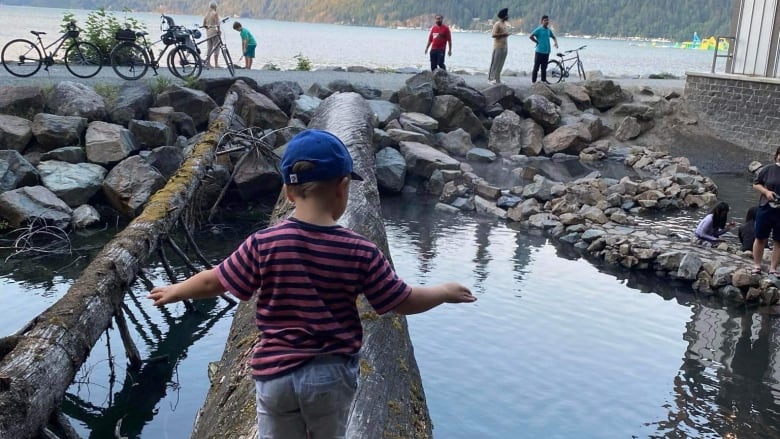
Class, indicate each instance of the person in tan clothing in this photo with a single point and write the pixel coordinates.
(500, 36)
(211, 23)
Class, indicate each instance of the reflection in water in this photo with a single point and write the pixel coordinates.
(549, 361)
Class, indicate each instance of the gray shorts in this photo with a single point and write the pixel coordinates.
(310, 402)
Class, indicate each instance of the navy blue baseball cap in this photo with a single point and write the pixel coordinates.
(329, 155)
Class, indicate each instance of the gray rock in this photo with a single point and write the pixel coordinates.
(76, 99)
(52, 131)
(365, 90)
(544, 112)
(257, 176)
(15, 132)
(505, 133)
(481, 155)
(150, 134)
(70, 154)
(16, 171)
(452, 114)
(32, 204)
(74, 184)
(135, 97)
(422, 159)
(108, 143)
(457, 142)
(197, 104)
(385, 111)
(304, 107)
(390, 170)
(256, 109)
(166, 159)
(129, 185)
(282, 93)
(605, 93)
(84, 216)
(23, 101)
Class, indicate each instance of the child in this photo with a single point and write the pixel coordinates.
(747, 231)
(714, 224)
(307, 272)
(248, 45)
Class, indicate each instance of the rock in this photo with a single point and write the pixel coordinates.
(481, 155)
(628, 128)
(282, 93)
(505, 133)
(305, 107)
(422, 159)
(52, 131)
(524, 210)
(604, 93)
(129, 185)
(578, 94)
(165, 159)
(398, 136)
(23, 101)
(452, 114)
(32, 204)
(134, 99)
(255, 108)
(15, 132)
(257, 176)
(543, 112)
(385, 111)
(84, 216)
(637, 111)
(568, 139)
(74, 184)
(419, 120)
(364, 90)
(76, 99)
(532, 138)
(150, 134)
(70, 154)
(456, 142)
(108, 143)
(390, 170)
(488, 207)
(689, 266)
(16, 171)
(197, 104)
(417, 94)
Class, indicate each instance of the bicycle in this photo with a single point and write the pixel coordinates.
(23, 58)
(220, 45)
(131, 60)
(558, 70)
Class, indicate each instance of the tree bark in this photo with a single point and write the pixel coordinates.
(47, 356)
(390, 402)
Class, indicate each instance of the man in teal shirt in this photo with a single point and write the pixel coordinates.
(541, 36)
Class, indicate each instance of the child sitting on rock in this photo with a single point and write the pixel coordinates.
(714, 225)
(747, 231)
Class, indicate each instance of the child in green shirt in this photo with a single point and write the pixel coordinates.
(248, 44)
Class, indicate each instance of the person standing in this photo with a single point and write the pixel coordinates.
(438, 40)
(767, 183)
(541, 36)
(500, 36)
(248, 44)
(211, 23)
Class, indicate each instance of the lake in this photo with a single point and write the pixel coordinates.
(556, 347)
(328, 46)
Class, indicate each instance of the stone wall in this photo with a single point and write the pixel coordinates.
(740, 109)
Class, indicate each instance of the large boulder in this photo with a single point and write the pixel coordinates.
(385, 111)
(605, 93)
(422, 160)
(129, 185)
(452, 114)
(74, 184)
(15, 171)
(133, 102)
(505, 133)
(543, 111)
(195, 103)
(256, 109)
(256, 176)
(15, 132)
(76, 99)
(568, 139)
(151, 134)
(282, 93)
(531, 142)
(457, 142)
(390, 170)
(108, 143)
(52, 131)
(166, 159)
(32, 204)
(365, 90)
(304, 108)
(417, 93)
(24, 101)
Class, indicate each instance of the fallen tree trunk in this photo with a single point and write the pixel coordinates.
(46, 357)
(390, 402)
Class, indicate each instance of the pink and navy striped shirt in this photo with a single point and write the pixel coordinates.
(308, 278)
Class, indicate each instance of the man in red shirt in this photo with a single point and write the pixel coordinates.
(437, 42)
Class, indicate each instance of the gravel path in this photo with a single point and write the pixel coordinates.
(382, 81)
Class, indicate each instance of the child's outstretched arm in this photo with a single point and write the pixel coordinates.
(422, 299)
(200, 286)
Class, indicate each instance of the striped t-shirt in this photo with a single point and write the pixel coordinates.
(308, 278)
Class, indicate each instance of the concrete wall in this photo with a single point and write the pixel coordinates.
(740, 109)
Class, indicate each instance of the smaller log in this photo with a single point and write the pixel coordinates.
(127, 340)
(171, 275)
(194, 245)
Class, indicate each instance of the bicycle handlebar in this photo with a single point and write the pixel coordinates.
(576, 50)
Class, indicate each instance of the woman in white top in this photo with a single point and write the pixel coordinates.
(211, 23)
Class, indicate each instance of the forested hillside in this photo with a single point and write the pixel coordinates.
(676, 19)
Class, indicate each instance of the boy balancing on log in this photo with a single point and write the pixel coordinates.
(307, 272)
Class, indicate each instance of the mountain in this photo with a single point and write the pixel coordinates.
(675, 19)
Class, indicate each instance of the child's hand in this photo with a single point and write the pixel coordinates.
(457, 293)
(164, 295)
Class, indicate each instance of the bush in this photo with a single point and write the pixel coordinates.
(303, 62)
(101, 27)
(663, 75)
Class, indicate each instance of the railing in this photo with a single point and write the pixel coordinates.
(730, 41)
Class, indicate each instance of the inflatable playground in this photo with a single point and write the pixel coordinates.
(695, 43)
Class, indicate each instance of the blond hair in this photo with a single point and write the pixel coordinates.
(312, 188)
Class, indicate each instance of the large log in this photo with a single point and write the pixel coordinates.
(390, 402)
(48, 354)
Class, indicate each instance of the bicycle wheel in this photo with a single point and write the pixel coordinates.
(21, 58)
(228, 61)
(581, 70)
(83, 59)
(184, 63)
(555, 72)
(129, 61)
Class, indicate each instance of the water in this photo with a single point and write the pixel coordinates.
(556, 346)
(327, 45)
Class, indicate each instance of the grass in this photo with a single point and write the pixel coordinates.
(109, 92)
(160, 83)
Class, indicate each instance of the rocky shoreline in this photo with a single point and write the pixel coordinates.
(70, 155)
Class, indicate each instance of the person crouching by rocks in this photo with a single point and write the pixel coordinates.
(714, 225)
(767, 183)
